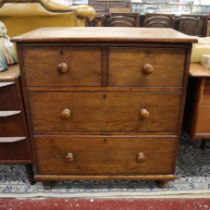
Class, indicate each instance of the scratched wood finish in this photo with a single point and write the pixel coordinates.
(112, 155)
(106, 112)
(126, 67)
(83, 66)
(109, 120)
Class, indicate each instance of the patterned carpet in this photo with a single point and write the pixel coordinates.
(193, 171)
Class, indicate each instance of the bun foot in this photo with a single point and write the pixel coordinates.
(48, 184)
(30, 173)
(162, 184)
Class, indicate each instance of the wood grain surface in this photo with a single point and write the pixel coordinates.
(105, 34)
(197, 70)
(126, 67)
(98, 155)
(105, 112)
(84, 66)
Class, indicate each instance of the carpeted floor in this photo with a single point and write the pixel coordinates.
(193, 172)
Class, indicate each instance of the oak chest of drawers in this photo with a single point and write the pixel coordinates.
(104, 103)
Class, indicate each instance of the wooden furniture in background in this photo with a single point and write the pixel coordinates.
(14, 138)
(159, 21)
(104, 103)
(198, 104)
(195, 25)
(122, 20)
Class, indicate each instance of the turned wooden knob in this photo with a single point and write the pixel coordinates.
(148, 68)
(62, 68)
(65, 114)
(144, 114)
(69, 157)
(140, 157)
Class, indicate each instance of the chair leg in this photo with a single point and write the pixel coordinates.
(30, 173)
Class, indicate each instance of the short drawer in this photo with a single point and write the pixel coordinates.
(12, 123)
(146, 67)
(104, 111)
(66, 155)
(9, 96)
(14, 149)
(63, 66)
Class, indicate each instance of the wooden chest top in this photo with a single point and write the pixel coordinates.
(98, 34)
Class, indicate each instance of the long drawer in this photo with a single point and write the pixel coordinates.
(66, 155)
(67, 112)
(60, 66)
(157, 67)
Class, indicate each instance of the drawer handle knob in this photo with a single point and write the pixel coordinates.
(140, 157)
(148, 68)
(69, 157)
(144, 114)
(62, 68)
(65, 114)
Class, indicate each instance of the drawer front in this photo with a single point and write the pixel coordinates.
(14, 151)
(206, 93)
(63, 66)
(9, 96)
(203, 125)
(12, 125)
(146, 67)
(104, 111)
(64, 155)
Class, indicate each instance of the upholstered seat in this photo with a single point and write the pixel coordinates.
(22, 16)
